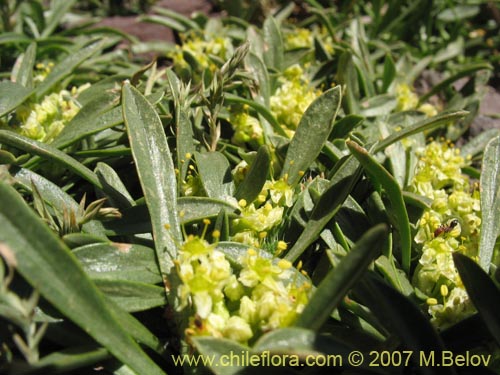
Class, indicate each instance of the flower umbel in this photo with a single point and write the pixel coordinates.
(451, 224)
(237, 304)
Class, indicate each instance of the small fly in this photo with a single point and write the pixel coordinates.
(446, 228)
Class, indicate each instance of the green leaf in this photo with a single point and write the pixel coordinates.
(394, 275)
(50, 153)
(24, 75)
(215, 174)
(119, 261)
(113, 187)
(458, 13)
(137, 219)
(68, 360)
(299, 341)
(378, 105)
(328, 204)
(477, 145)
(490, 202)
(389, 73)
(402, 318)
(340, 279)
(397, 208)
(348, 78)
(66, 67)
(342, 127)
(464, 72)
(261, 110)
(483, 293)
(11, 96)
(156, 173)
(188, 22)
(51, 193)
(258, 71)
(420, 126)
(41, 257)
(132, 296)
(98, 114)
(256, 176)
(75, 240)
(58, 9)
(274, 51)
(313, 131)
(9, 38)
(215, 350)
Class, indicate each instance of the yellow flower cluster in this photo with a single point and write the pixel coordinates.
(408, 100)
(44, 121)
(199, 48)
(246, 128)
(238, 305)
(292, 98)
(265, 213)
(452, 224)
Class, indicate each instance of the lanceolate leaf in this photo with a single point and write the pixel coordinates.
(339, 188)
(24, 75)
(48, 152)
(156, 172)
(403, 318)
(378, 174)
(418, 127)
(132, 296)
(40, 257)
(215, 174)
(274, 53)
(482, 291)
(99, 114)
(490, 202)
(11, 95)
(119, 261)
(312, 133)
(214, 350)
(340, 279)
(256, 176)
(66, 66)
(138, 220)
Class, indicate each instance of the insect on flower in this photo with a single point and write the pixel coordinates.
(446, 228)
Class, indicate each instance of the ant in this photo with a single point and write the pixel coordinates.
(446, 228)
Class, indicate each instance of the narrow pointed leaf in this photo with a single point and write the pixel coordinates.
(418, 127)
(69, 360)
(379, 175)
(490, 202)
(340, 279)
(66, 67)
(482, 292)
(119, 261)
(156, 172)
(256, 176)
(113, 187)
(99, 114)
(213, 349)
(132, 296)
(274, 53)
(403, 318)
(12, 95)
(50, 153)
(313, 131)
(24, 75)
(40, 258)
(328, 204)
(215, 174)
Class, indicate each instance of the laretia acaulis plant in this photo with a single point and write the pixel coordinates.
(281, 191)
